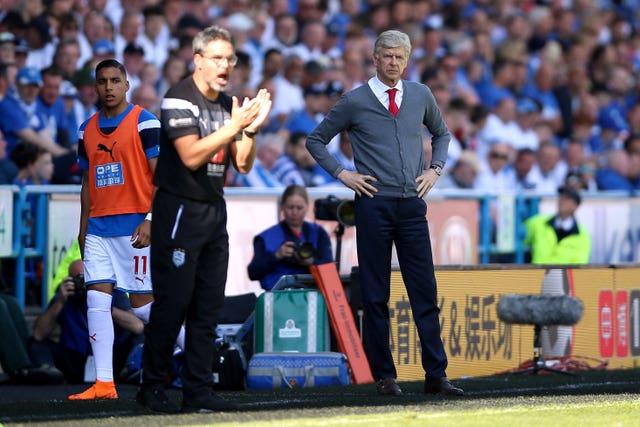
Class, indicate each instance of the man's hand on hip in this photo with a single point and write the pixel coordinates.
(426, 181)
(358, 182)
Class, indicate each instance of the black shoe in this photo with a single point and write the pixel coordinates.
(155, 399)
(441, 386)
(388, 387)
(37, 375)
(209, 403)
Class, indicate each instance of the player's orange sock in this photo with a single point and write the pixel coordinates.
(100, 390)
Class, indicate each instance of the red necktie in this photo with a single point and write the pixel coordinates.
(393, 107)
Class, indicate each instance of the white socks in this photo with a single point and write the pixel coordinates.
(142, 312)
(101, 333)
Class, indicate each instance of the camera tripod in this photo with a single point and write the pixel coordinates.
(339, 233)
(538, 360)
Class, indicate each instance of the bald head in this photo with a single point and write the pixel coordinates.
(76, 267)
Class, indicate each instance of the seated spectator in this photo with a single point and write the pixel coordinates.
(268, 151)
(67, 56)
(67, 312)
(632, 143)
(14, 122)
(85, 101)
(615, 173)
(14, 357)
(549, 172)
(490, 92)
(288, 95)
(173, 70)
(576, 181)
(527, 115)
(494, 176)
(498, 127)
(540, 88)
(50, 107)
(7, 47)
(147, 97)
(35, 165)
(42, 47)
(287, 168)
(463, 174)
(559, 239)
(290, 246)
(69, 95)
(523, 164)
(8, 169)
(315, 106)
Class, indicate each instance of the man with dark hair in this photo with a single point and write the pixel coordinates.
(50, 106)
(559, 239)
(13, 120)
(117, 149)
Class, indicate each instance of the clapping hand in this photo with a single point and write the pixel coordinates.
(263, 99)
(252, 112)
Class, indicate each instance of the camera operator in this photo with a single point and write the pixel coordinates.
(67, 347)
(290, 246)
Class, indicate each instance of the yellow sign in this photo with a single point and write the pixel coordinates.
(477, 343)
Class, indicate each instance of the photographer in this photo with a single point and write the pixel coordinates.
(290, 246)
(68, 347)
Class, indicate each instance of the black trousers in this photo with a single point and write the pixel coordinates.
(381, 222)
(189, 260)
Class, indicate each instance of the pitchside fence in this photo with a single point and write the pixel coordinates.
(39, 223)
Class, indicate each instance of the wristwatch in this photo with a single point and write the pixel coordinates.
(436, 168)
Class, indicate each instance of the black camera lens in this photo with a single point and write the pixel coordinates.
(304, 250)
(79, 290)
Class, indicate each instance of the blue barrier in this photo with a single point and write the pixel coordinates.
(30, 224)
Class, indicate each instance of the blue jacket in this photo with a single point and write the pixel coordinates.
(266, 268)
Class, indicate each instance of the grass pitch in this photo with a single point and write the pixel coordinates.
(596, 398)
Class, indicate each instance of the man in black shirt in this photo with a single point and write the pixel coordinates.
(203, 130)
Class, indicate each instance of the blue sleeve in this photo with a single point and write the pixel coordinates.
(12, 118)
(149, 130)
(61, 116)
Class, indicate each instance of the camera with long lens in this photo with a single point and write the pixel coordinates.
(79, 290)
(303, 250)
(332, 208)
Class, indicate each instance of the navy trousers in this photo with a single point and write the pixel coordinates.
(381, 222)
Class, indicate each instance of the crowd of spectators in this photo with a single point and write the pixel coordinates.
(537, 94)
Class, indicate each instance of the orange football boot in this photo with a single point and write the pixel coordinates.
(100, 390)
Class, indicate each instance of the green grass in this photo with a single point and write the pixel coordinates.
(596, 398)
(611, 411)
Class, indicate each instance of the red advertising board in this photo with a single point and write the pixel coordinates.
(622, 323)
(605, 322)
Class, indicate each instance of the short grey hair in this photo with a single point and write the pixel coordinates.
(391, 39)
(204, 37)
